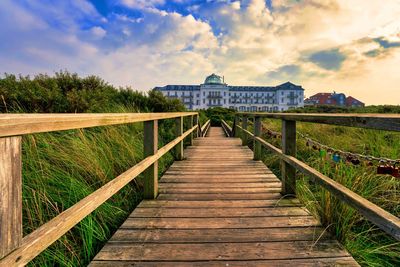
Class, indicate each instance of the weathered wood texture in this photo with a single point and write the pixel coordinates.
(205, 128)
(227, 129)
(34, 243)
(150, 146)
(219, 207)
(257, 132)
(20, 124)
(390, 122)
(375, 214)
(289, 148)
(178, 132)
(10, 194)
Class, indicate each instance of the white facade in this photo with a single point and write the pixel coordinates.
(215, 93)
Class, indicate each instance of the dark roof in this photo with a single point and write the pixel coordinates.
(178, 88)
(284, 86)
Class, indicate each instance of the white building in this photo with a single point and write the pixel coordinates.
(215, 93)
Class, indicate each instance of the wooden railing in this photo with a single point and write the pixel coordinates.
(289, 163)
(227, 129)
(16, 250)
(205, 128)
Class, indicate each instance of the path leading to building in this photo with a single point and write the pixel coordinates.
(219, 207)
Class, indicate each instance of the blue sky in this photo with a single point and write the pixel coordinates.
(324, 45)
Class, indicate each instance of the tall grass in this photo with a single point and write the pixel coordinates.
(61, 168)
(368, 244)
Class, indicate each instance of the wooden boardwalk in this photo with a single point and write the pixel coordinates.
(219, 207)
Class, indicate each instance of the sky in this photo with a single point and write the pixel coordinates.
(349, 46)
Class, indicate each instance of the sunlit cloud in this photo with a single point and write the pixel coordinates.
(324, 45)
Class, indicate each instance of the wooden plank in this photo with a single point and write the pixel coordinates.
(41, 238)
(218, 212)
(216, 184)
(225, 251)
(239, 222)
(11, 194)
(239, 226)
(150, 145)
(288, 148)
(20, 124)
(375, 214)
(232, 190)
(218, 203)
(220, 196)
(331, 261)
(220, 235)
(221, 180)
(389, 122)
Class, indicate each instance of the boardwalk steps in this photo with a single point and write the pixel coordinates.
(220, 208)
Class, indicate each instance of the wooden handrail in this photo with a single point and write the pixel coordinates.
(20, 124)
(389, 122)
(21, 252)
(227, 129)
(204, 128)
(378, 216)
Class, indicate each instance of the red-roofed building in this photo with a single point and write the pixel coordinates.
(333, 99)
(352, 102)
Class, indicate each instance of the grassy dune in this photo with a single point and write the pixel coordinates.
(369, 245)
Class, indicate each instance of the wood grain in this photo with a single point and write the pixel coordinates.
(10, 194)
(20, 124)
(389, 122)
(41, 238)
(220, 207)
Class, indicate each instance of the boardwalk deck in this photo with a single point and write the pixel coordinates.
(220, 208)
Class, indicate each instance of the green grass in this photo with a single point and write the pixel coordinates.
(61, 168)
(368, 244)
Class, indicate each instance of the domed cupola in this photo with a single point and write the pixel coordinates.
(213, 79)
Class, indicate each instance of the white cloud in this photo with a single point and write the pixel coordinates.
(98, 32)
(242, 40)
(139, 4)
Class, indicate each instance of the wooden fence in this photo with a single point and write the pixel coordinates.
(18, 250)
(289, 163)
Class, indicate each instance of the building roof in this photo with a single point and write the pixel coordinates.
(214, 79)
(351, 101)
(284, 86)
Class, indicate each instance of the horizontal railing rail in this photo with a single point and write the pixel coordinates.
(389, 122)
(205, 128)
(21, 124)
(375, 214)
(16, 250)
(227, 129)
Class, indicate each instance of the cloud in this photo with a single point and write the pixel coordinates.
(138, 4)
(328, 59)
(386, 43)
(316, 43)
(286, 72)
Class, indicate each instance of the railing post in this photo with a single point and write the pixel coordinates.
(288, 148)
(150, 148)
(191, 119)
(196, 122)
(257, 133)
(234, 128)
(244, 134)
(10, 194)
(179, 132)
